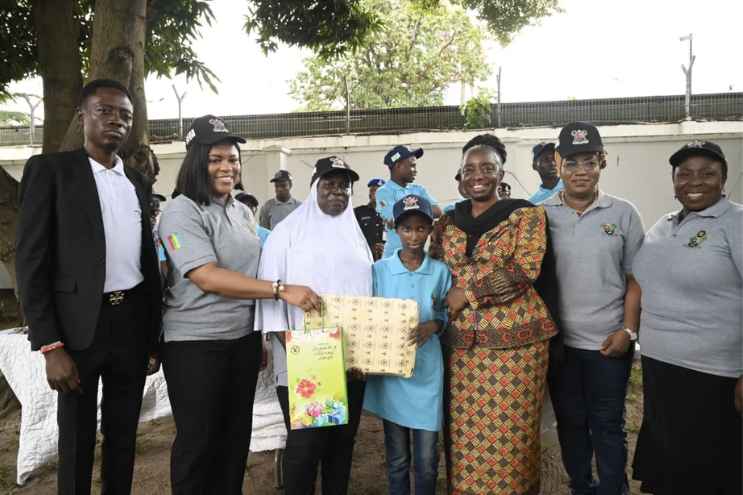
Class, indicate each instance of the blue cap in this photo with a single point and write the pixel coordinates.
(412, 204)
(375, 182)
(401, 152)
(540, 148)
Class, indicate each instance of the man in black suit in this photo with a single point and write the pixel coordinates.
(89, 286)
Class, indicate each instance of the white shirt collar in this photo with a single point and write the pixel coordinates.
(98, 167)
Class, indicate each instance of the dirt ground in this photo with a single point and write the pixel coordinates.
(368, 477)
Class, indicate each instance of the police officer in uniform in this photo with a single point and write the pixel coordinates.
(370, 221)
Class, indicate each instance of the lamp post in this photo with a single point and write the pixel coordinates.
(687, 72)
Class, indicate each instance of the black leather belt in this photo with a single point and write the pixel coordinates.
(118, 297)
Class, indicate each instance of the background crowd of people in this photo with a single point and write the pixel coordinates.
(515, 297)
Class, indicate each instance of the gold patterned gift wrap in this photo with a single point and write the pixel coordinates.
(375, 332)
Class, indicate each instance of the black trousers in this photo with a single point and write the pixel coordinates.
(211, 385)
(331, 446)
(117, 356)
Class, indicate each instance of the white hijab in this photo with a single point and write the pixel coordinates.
(328, 254)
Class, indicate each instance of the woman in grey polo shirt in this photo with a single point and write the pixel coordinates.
(211, 356)
(595, 237)
(690, 269)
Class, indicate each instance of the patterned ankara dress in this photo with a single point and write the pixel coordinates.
(497, 349)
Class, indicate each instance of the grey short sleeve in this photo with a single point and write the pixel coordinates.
(186, 237)
(633, 241)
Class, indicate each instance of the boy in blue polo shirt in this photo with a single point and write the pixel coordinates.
(413, 407)
(402, 164)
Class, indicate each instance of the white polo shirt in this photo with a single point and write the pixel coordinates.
(122, 226)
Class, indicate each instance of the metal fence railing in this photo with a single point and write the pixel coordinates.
(605, 111)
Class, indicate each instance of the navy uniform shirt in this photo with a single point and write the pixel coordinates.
(371, 224)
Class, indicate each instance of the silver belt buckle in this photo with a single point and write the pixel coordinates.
(116, 297)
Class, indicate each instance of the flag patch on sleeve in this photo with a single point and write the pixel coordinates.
(174, 242)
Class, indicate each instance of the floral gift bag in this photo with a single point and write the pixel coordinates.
(316, 378)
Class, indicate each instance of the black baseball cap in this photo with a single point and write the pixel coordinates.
(401, 152)
(325, 166)
(698, 148)
(209, 130)
(375, 182)
(281, 175)
(159, 197)
(579, 137)
(540, 148)
(412, 204)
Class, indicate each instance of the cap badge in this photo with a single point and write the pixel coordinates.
(337, 163)
(580, 136)
(695, 144)
(218, 125)
(609, 228)
(395, 157)
(698, 239)
(191, 134)
(410, 203)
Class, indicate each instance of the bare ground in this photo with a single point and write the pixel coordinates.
(368, 476)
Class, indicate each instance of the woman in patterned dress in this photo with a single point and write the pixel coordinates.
(498, 340)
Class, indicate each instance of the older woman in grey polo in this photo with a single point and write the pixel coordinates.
(690, 269)
(595, 237)
(211, 355)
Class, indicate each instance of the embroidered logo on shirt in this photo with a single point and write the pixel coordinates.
(218, 125)
(175, 244)
(609, 228)
(698, 239)
(580, 136)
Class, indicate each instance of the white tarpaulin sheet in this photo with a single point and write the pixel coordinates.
(25, 373)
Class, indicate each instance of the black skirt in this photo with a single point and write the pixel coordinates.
(690, 440)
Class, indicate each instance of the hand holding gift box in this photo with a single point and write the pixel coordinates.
(375, 332)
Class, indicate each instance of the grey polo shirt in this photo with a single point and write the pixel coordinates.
(691, 274)
(194, 235)
(594, 252)
(273, 211)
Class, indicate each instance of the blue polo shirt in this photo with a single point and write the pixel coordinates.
(416, 402)
(544, 194)
(389, 194)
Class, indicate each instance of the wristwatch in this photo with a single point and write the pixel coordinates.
(632, 334)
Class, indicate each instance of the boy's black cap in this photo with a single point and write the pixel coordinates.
(209, 130)
(159, 197)
(412, 203)
(375, 182)
(281, 175)
(325, 166)
(401, 152)
(579, 137)
(540, 148)
(698, 148)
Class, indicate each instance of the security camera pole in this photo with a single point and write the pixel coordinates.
(687, 72)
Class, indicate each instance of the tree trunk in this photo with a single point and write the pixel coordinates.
(8, 220)
(58, 35)
(117, 49)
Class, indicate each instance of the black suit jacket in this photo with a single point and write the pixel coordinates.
(61, 251)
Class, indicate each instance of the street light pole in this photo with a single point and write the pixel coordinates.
(180, 98)
(687, 72)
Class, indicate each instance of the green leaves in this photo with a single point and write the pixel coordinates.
(329, 27)
(409, 60)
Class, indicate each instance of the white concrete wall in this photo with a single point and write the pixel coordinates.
(638, 160)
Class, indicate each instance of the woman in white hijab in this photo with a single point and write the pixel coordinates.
(320, 244)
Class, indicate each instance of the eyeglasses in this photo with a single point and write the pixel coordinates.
(572, 166)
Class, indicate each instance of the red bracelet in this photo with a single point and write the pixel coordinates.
(50, 347)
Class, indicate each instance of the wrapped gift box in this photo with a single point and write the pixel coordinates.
(375, 332)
